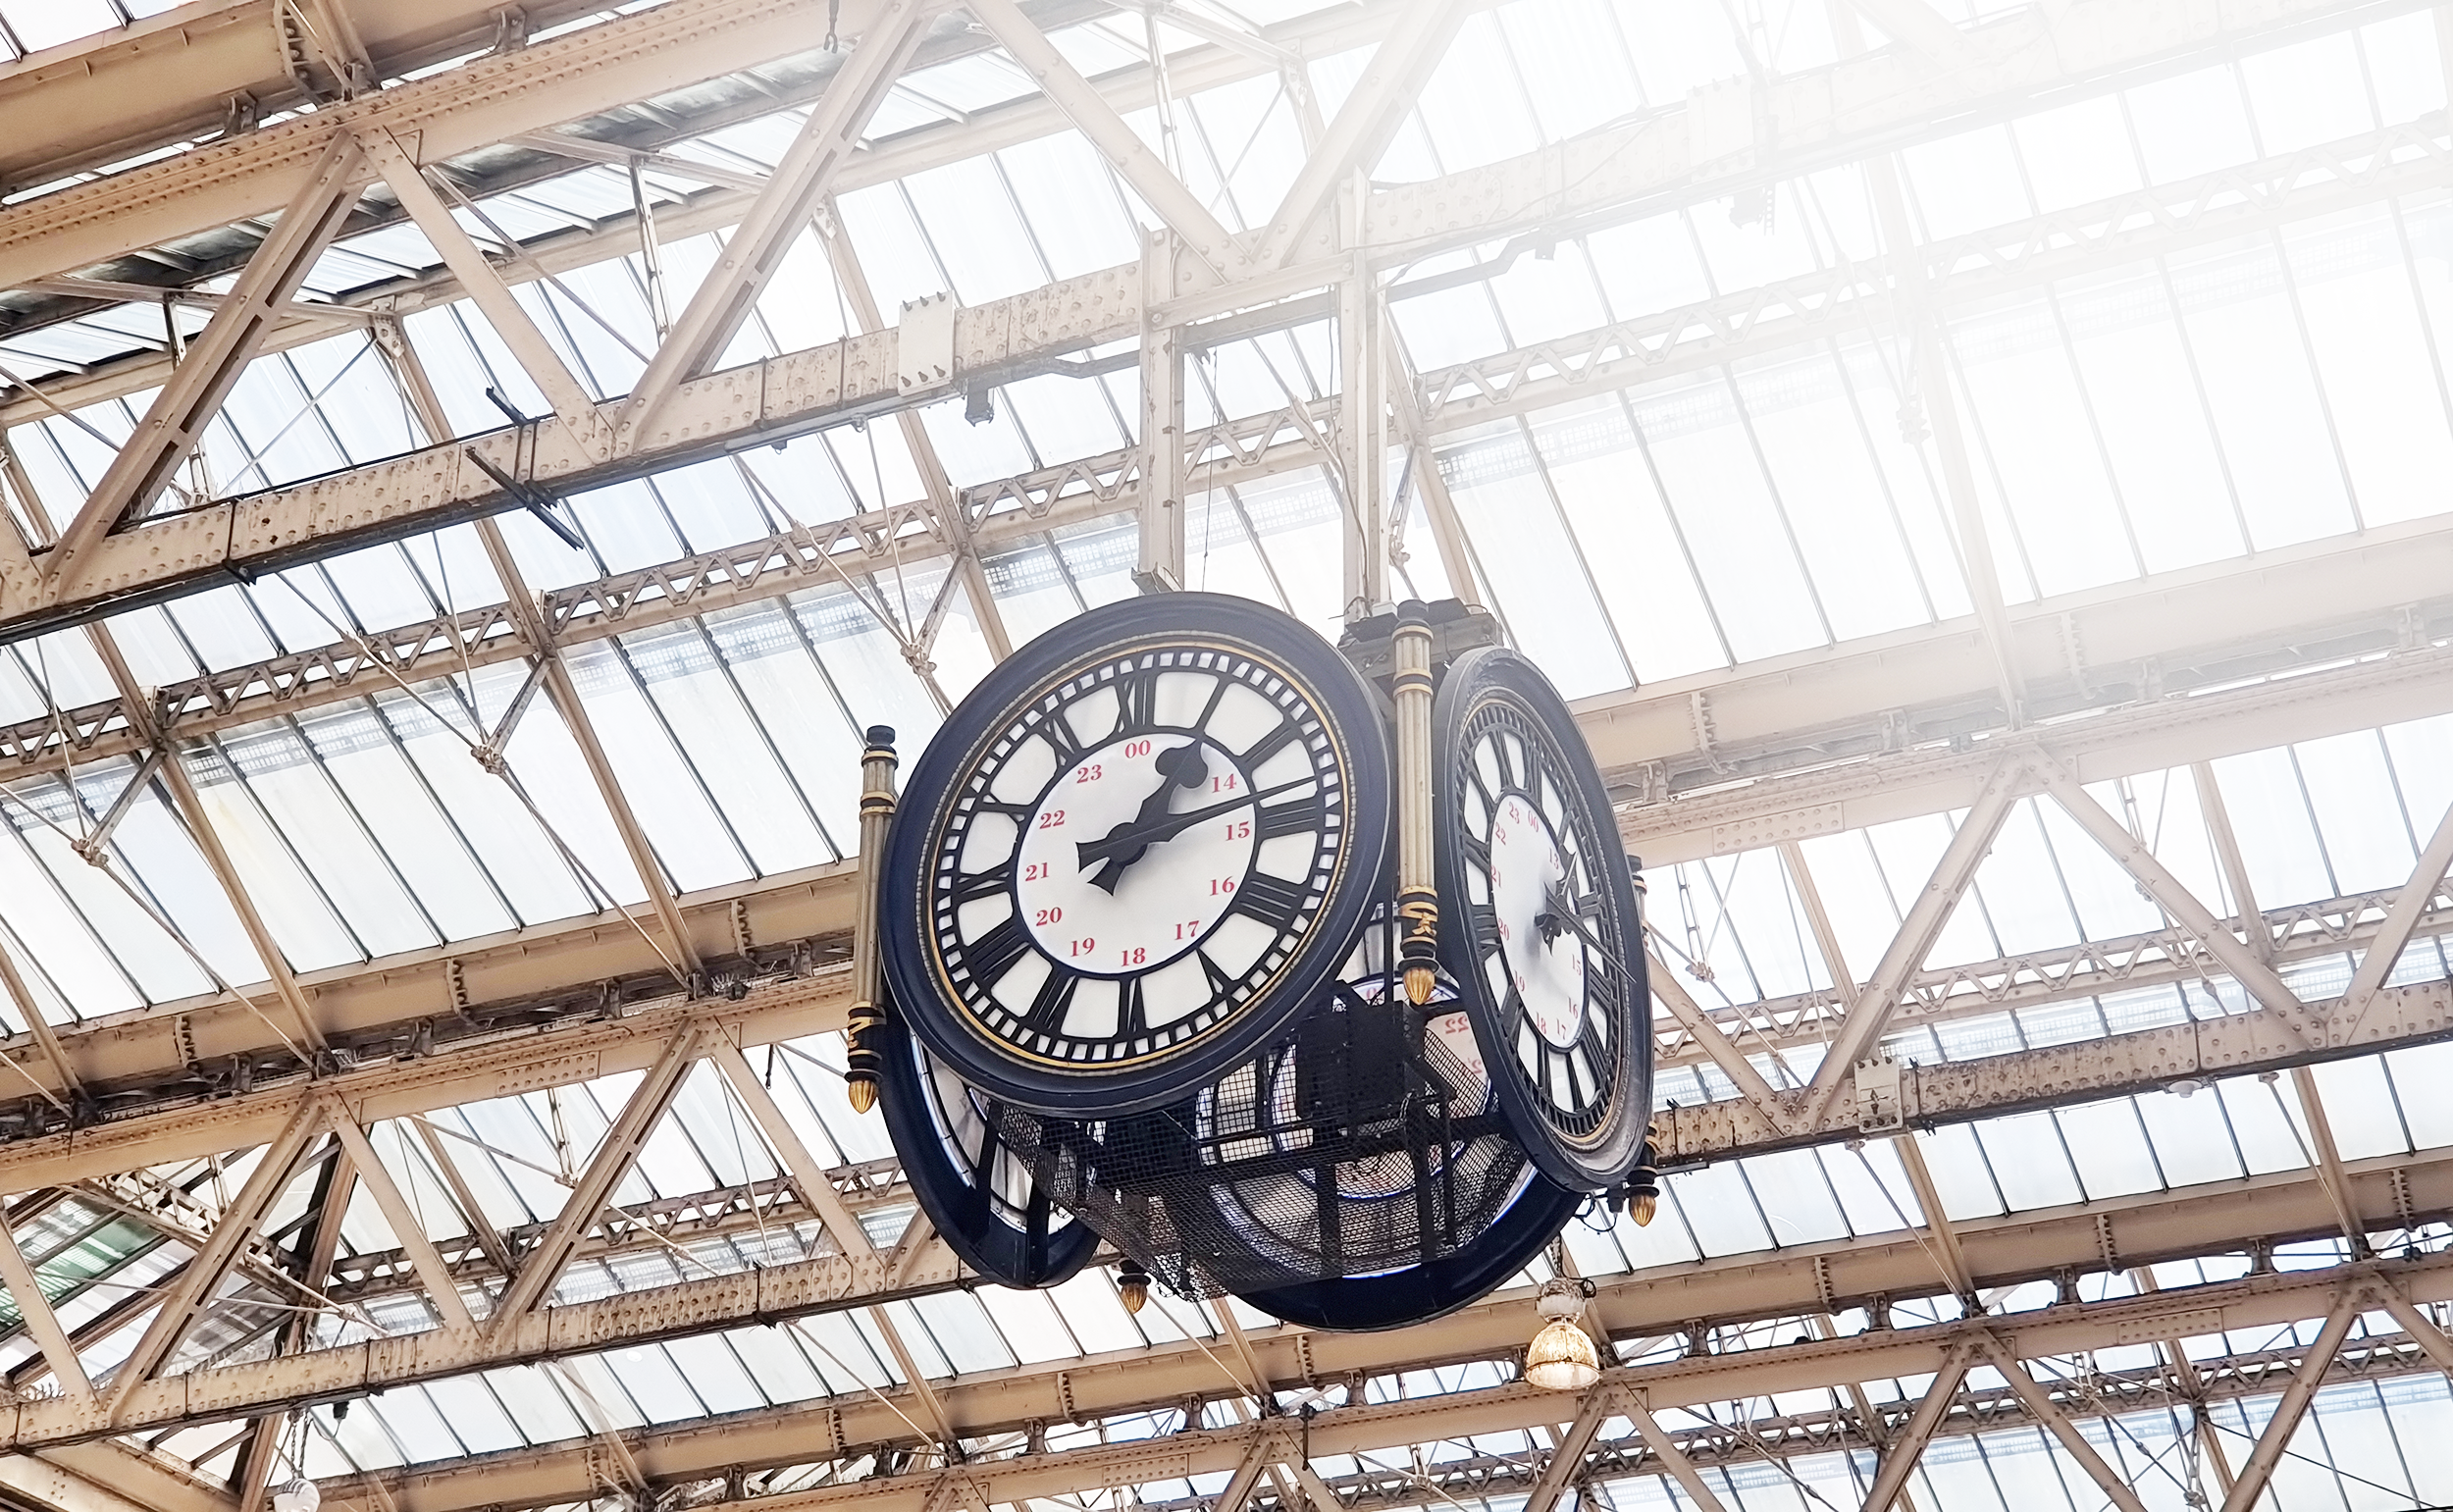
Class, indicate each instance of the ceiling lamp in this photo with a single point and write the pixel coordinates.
(300, 1495)
(1562, 1357)
(1132, 1285)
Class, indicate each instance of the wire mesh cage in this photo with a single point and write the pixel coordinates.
(1365, 1138)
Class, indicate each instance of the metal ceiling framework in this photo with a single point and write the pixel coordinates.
(2011, 705)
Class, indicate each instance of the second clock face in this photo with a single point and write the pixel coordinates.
(1546, 943)
(1140, 848)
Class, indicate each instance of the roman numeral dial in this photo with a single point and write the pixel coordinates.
(1546, 943)
(1138, 850)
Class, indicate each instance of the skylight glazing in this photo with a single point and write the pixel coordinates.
(1736, 479)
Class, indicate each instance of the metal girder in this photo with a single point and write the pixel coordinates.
(33, 1304)
(575, 1048)
(274, 1164)
(769, 1439)
(31, 1481)
(1806, 1278)
(2044, 1410)
(571, 401)
(530, 1476)
(1221, 254)
(803, 180)
(391, 996)
(1832, 116)
(2279, 1428)
(485, 100)
(171, 78)
(173, 425)
(153, 1479)
(1319, 33)
(1390, 84)
(542, 1265)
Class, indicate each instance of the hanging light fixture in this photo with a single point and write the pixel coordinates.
(300, 1495)
(1132, 1285)
(1562, 1357)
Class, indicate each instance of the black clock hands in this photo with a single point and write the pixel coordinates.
(1126, 843)
(1181, 767)
(1559, 916)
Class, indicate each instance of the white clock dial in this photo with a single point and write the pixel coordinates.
(1138, 854)
(1537, 911)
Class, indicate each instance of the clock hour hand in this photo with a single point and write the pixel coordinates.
(1181, 767)
(1559, 914)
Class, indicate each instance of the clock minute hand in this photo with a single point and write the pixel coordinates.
(1559, 915)
(1128, 843)
(1180, 767)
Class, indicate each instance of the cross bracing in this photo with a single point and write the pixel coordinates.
(2195, 764)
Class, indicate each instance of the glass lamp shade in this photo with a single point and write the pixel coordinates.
(298, 1495)
(1561, 1358)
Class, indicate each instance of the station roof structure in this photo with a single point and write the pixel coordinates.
(473, 470)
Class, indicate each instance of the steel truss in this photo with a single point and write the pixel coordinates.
(1769, 754)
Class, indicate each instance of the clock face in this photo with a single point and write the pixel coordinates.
(1142, 846)
(1546, 941)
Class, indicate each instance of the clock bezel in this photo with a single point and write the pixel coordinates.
(916, 967)
(1601, 1160)
(951, 1197)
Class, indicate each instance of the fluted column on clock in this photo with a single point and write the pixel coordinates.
(1418, 901)
(877, 765)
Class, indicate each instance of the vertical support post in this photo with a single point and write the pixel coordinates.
(1447, 531)
(1162, 564)
(1363, 430)
(860, 1057)
(1418, 900)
